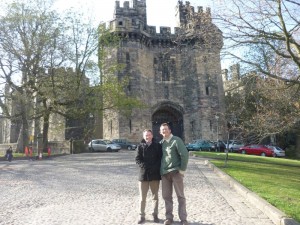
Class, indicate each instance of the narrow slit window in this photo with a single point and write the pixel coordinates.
(166, 92)
(207, 90)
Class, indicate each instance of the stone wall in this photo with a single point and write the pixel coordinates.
(178, 76)
(194, 85)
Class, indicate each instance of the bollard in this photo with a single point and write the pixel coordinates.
(40, 155)
(49, 151)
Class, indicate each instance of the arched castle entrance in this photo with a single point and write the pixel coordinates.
(167, 112)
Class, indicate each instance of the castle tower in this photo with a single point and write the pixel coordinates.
(177, 75)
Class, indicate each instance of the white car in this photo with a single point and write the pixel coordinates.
(234, 145)
(124, 144)
(103, 145)
(278, 152)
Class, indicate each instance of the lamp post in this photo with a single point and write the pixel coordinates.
(218, 146)
(39, 147)
(91, 126)
(230, 125)
(227, 145)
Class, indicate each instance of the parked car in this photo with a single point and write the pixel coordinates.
(256, 150)
(125, 144)
(234, 145)
(199, 145)
(103, 146)
(278, 152)
(218, 146)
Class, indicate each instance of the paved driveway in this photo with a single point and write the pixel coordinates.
(101, 189)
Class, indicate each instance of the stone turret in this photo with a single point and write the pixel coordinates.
(235, 71)
(198, 25)
(187, 18)
(177, 75)
(193, 27)
(132, 18)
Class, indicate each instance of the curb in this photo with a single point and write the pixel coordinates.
(277, 216)
(33, 157)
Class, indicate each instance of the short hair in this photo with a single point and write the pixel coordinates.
(165, 124)
(147, 130)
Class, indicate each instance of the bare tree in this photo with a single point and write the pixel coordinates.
(263, 36)
(46, 60)
(26, 34)
(272, 27)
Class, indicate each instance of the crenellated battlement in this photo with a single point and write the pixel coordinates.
(135, 4)
(137, 11)
(188, 18)
(132, 22)
(169, 70)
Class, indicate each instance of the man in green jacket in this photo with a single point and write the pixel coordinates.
(173, 165)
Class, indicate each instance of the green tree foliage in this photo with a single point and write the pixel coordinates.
(26, 34)
(111, 90)
(45, 61)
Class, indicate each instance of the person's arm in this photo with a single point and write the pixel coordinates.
(139, 158)
(184, 155)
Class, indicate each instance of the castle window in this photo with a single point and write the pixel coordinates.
(165, 73)
(207, 90)
(166, 92)
(155, 61)
(120, 23)
(210, 125)
(127, 61)
(193, 127)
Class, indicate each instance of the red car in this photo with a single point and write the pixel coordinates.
(256, 150)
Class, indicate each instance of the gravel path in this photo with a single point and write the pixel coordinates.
(102, 189)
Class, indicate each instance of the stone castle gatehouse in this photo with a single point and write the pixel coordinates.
(178, 75)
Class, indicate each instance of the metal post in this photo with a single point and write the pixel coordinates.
(218, 145)
(71, 145)
(38, 145)
(227, 145)
(230, 126)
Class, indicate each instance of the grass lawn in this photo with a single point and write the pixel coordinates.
(277, 180)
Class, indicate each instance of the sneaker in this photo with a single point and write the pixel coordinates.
(184, 222)
(155, 219)
(141, 220)
(168, 222)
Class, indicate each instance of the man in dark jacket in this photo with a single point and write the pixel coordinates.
(148, 158)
